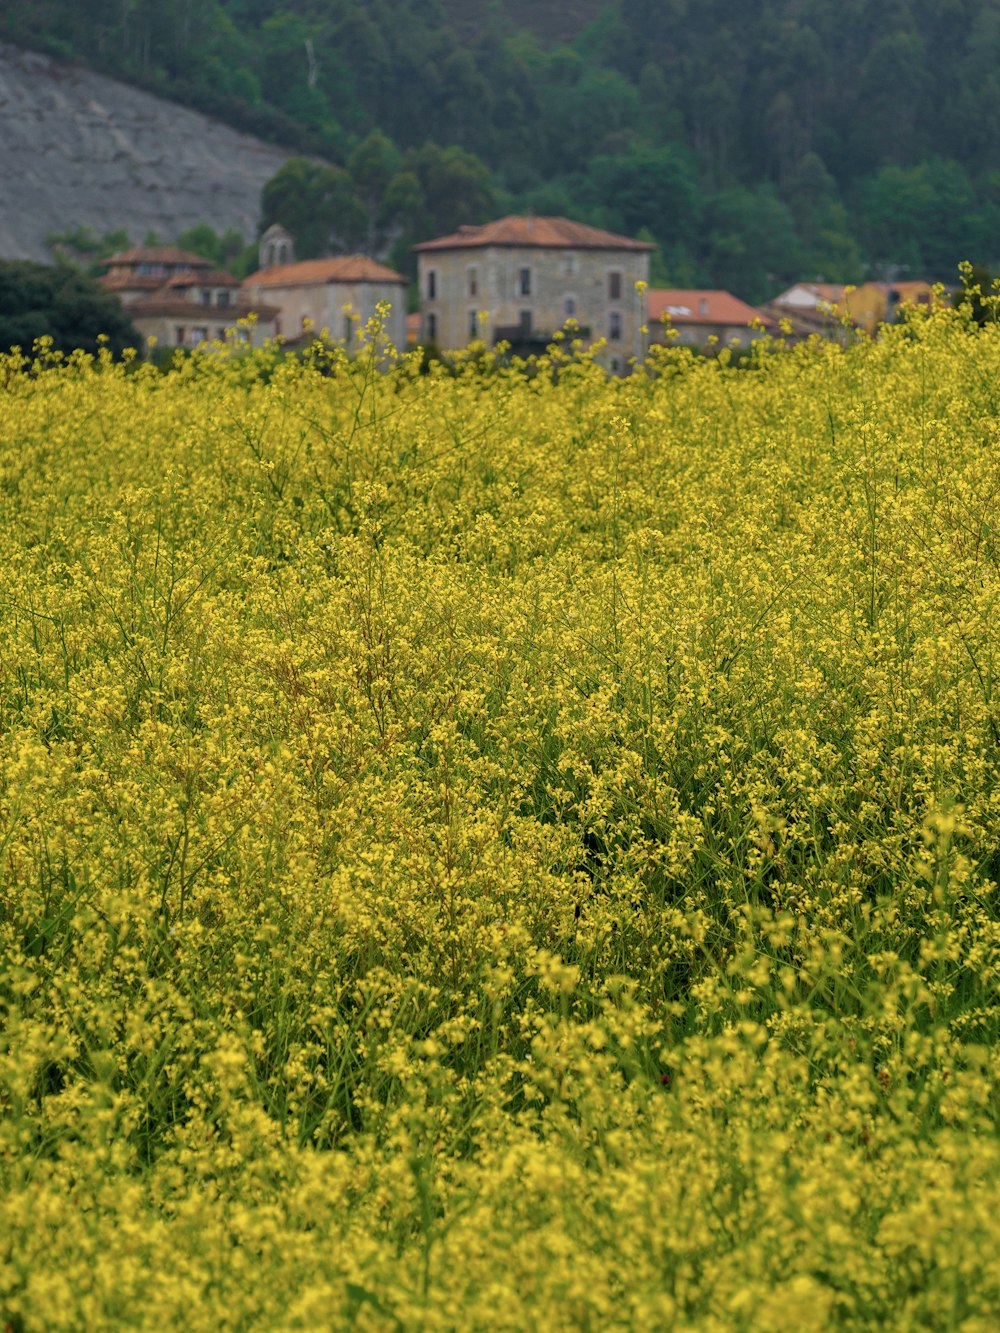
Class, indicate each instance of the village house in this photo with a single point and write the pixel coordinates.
(521, 279)
(176, 299)
(338, 295)
(704, 319)
(833, 310)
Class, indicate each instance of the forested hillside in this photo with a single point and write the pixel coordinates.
(756, 143)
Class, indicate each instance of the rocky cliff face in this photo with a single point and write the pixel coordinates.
(77, 148)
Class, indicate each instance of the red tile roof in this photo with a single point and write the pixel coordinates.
(129, 282)
(547, 233)
(157, 254)
(341, 268)
(684, 306)
(163, 304)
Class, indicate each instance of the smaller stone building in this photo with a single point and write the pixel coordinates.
(521, 279)
(704, 319)
(337, 295)
(176, 299)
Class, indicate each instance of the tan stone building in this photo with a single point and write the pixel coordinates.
(521, 279)
(176, 299)
(337, 295)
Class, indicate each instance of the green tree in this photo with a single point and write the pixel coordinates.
(318, 206)
(39, 300)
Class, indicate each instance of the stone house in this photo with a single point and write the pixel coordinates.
(694, 318)
(522, 279)
(338, 295)
(176, 299)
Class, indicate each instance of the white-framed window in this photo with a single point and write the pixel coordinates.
(614, 326)
(614, 285)
(432, 284)
(570, 265)
(473, 281)
(200, 334)
(524, 282)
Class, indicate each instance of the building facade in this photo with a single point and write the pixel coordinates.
(520, 280)
(176, 299)
(337, 296)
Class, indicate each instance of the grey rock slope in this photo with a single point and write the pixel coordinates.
(78, 148)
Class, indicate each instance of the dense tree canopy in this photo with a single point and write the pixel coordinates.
(37, 300)
(755, 142)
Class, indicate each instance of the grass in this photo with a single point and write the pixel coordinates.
(501, 852)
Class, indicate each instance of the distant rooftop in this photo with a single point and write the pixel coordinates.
(340, 268)
(545, 233)
(693, 306)
(157, 254)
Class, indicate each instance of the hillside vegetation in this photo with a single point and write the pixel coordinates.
(757, 143)
(487, 852)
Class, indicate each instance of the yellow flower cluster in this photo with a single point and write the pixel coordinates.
(501, 848)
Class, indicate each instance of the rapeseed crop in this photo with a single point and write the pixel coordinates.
(498, 850)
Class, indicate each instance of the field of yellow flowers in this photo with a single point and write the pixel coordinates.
(502, 851)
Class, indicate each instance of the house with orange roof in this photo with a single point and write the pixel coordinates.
(832, 310)
(176, 299)
(520, 280)
(703, 319)
(336, 296)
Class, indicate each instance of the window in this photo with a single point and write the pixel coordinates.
(205, 296)
(524, 323)
(473, 325)
(223, 297)
(348, 327)
(283, 252)
(432, 328)
(615, 326)
(473, 281)
(524, 282)
(200, 335)
(179, 332)
(614, 286)
(432, 285)
(220, 334)
(570, 265)
(569, 307)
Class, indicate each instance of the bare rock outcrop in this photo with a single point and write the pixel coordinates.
(77, 148)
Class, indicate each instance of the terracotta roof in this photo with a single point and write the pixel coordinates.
(340, 268)
(163, 303)
(157, 254)
(682, 306)
(119, 282)
(198, 278)
(548, 233)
